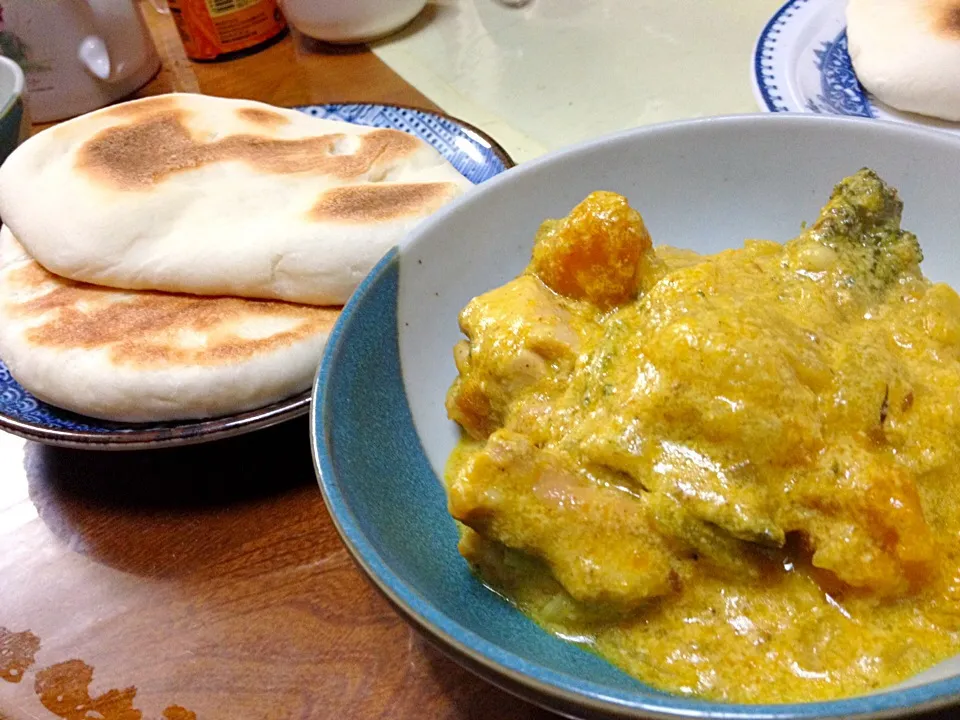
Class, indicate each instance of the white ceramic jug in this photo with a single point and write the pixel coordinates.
(77, 55)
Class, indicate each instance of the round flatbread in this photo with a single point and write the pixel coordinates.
(198, 194)
(150, 356)
(907, 53)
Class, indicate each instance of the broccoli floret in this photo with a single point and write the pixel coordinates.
(861, 222)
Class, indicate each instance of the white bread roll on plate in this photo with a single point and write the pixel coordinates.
(198, 194)
(148, 356)
(907, 53)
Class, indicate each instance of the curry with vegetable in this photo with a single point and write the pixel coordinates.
(734, 476)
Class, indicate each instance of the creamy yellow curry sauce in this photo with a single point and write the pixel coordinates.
(734, 476)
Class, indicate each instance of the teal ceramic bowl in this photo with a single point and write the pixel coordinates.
(14, 125)
(381, 436)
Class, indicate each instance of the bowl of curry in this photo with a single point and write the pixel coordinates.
(667, 424)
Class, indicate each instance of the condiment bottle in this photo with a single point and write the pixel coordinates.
(218, 29)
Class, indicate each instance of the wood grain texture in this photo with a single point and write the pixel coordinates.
(204, 580)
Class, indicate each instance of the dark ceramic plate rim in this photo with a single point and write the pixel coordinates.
(159, 435)
(528, 680)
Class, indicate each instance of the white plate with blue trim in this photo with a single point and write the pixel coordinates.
(801, 64)
(473, 153)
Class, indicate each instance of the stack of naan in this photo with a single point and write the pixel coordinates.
(907, 53)
(185, 256)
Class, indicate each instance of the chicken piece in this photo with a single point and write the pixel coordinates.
(705, 542)
(707, 355)
(599, 542)
(862, 517)
(519, 337)
(598, 253)
(528, 582)
(717, 512)
(729, 498)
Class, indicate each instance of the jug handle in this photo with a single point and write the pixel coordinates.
(93, 54)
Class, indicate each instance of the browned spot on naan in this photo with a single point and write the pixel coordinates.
(142, 328)
(951, 21)
(262, 116)
(945, 15)
(145, 106)
(380, 202)
(64, 690)
(31, 275)
(136, 110)
(18, 651)
(140, 154)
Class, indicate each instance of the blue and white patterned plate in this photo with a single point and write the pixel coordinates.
(801, 64)
(477, 156)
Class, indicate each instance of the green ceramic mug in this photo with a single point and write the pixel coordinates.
(14, 124)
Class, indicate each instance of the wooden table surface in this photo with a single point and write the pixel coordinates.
(208, 582)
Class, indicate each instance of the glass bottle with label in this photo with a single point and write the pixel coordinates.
(217, 29)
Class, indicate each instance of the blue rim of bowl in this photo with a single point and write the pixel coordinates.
(130, 436)
(511, 672)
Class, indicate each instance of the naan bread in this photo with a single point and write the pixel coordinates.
(149, 356)
(907, 53)
(197, 194)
